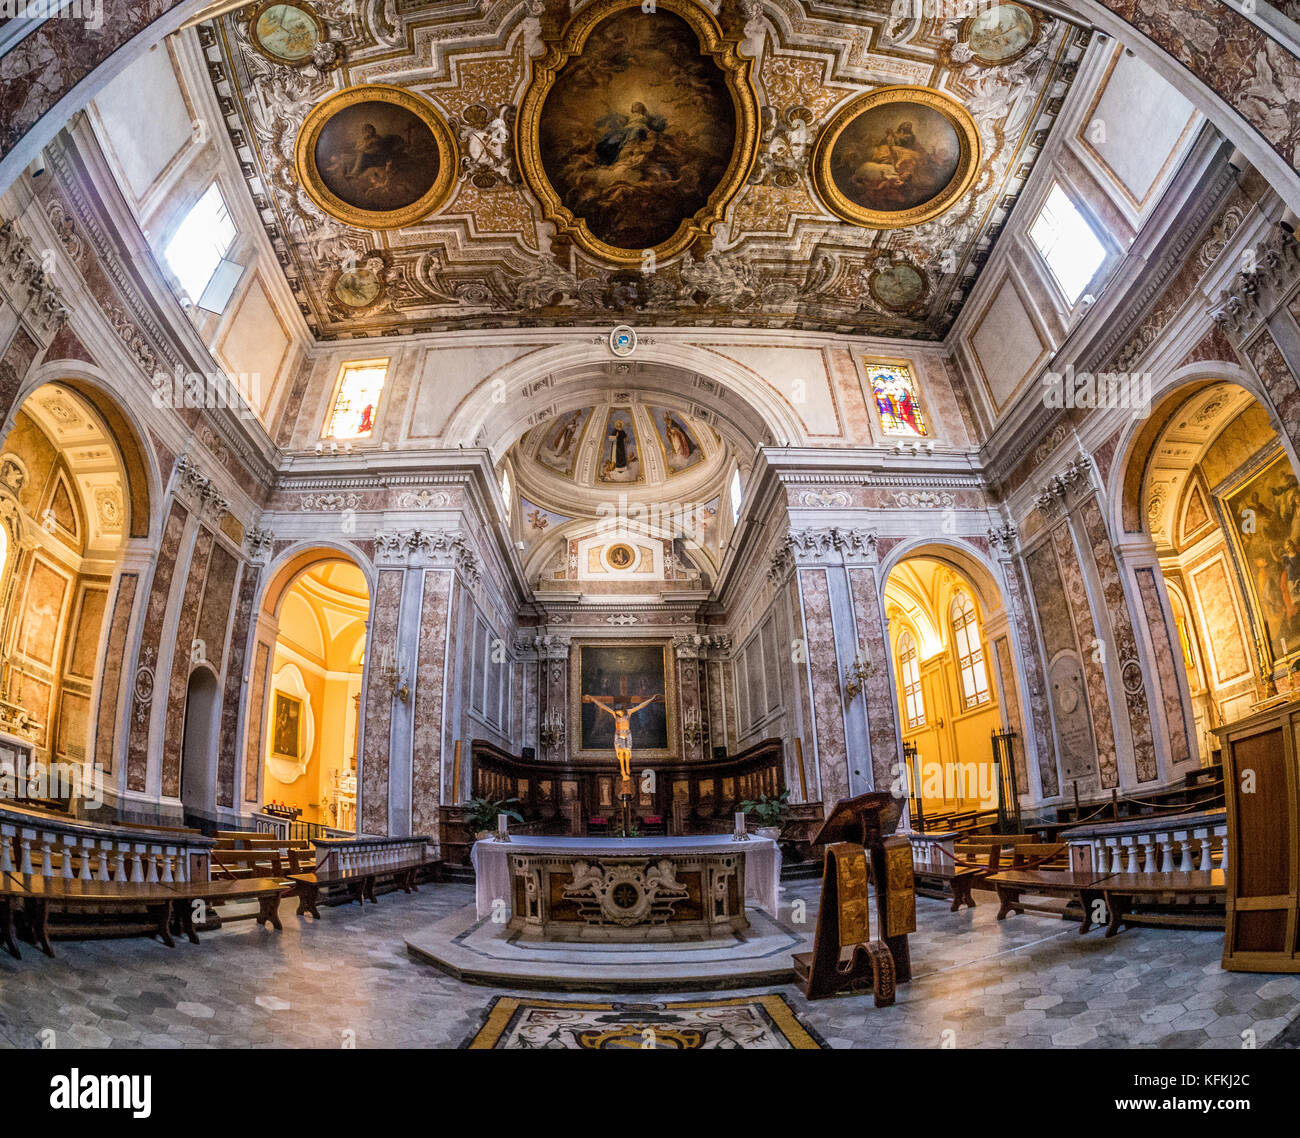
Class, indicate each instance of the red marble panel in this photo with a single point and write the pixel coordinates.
(1168, 658)
(1121, 627)
(178, 680)
(230, 705)
(828, 707)
(137, 753)
(256, 706)
(882, 710)
(214, 615)
(379, 705)
(1035, 680)
(1076, 595)
(426, 733)
(111, 670)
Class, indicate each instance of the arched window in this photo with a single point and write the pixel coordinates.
(735, 496)
(913, 702)
(970, 652)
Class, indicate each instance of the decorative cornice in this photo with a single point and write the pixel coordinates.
(1272, 270)
(1058, 494)
(192, 483)
(444, 547)
(28, 283)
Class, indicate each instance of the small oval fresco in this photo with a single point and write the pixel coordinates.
(638, 129)
(1001, 33)
(287, 32)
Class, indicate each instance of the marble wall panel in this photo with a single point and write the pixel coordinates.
(137, 754)
(1039, 712)
(1094, 671)
(832, 760)
(234, 687)
(253, 743)
(111, 670)
(426, 734)
(882, 710)
(384, 615)
(1168, 653)
(181, 656)
(1132, 676)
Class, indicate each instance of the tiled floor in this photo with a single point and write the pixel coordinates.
(1030, 981)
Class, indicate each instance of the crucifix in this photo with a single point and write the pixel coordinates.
(622, 711)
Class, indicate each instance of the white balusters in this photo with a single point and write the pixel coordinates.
(167, 856)
(1132, 866)
(88, 848)
(102, 873)
(6, 852)
(1186, 865)
(1221, 832)
(119, 862)
(1166, 853)
(1203, 838)
(25, 855)
(1149, 861)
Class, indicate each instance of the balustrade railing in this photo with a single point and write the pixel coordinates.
(1178, 844)
(368, 855)
(36, 844)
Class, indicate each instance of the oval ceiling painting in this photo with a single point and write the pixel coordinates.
(286, 32)
(638, 128)
(376, 156)
(896, 156)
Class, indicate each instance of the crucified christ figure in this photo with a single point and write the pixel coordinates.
(622, 728)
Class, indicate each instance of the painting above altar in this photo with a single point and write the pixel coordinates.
(624, 673)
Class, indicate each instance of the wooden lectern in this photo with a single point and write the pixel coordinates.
(844, 955)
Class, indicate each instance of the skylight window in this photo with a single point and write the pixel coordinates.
(197, 247)
(352, 412)
(1067, 243)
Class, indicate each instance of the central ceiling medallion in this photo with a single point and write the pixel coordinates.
(376, 156)
(637, 129)
(896, 156)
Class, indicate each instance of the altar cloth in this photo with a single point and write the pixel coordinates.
(491, 860)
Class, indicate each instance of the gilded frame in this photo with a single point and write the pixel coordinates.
(606, 754)
(304, 157)
(968, 162)
(963, 36)
(306, 9)
(543, 73)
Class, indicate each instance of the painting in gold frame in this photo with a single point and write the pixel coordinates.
(666, 134)
(896, 156)
(376, 156)
(630, 670)
(1259, 513)
(286, 728)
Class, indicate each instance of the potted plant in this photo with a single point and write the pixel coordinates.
(769, 812)
(481, 814)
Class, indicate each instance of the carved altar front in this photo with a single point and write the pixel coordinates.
(625, 890)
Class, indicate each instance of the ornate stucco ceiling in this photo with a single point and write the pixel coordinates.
(486, 255)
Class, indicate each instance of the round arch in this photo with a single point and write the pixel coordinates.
(746, 403)
(965, 560)
(293, 562)
(143, 478)
(1127, 475)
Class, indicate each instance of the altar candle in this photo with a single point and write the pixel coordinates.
(503, 823)
(740, 821)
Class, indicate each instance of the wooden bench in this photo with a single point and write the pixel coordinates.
(270, 862)
(1082, 887)
(267, 891)
(38, 895)
(955, 881)
(360, 883)
(994, 853)
(1123, 891)
(163, 905)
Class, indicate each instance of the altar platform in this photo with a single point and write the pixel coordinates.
(476, 950)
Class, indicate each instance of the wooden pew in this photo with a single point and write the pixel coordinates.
(358, 883)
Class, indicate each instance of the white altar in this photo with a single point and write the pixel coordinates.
(496, 881)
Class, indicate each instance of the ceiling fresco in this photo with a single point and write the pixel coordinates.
(775, 164)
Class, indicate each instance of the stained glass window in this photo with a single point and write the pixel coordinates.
(352, 413)
(894, 389)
